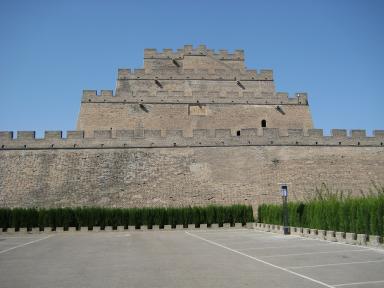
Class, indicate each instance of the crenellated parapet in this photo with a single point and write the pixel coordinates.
(195, 74)
(196, 81)
(95, 93)
(189, 57)
(233, 96)
(142, 138)
(189, 50)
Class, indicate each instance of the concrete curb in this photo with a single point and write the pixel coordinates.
(313, 233)
(373, 241)
(143, 227)
(120, 228)
(350, 238)
(340, 236)
(330, 236)
(108, 229)
(35, 230)
(321, 234)
(96, 229)
(178, 227)
(306, 232)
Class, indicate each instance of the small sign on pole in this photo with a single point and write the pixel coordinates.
(284, 190)
(284, 196)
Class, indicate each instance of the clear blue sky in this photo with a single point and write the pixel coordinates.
(52, 50)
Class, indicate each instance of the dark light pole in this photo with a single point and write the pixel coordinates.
(284, 196)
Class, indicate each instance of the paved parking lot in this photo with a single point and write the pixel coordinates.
(193, 258)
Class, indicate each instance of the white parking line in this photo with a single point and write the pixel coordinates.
(227, 231)
(358, 283)
(335, 264)
(21, 245)
(261, 261)
(16, 237)
(283, 247)
(312, 253)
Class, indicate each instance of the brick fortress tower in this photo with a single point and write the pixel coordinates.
(194, 127)
(193, 89)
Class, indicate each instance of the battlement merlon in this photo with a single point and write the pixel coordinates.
(188, 50)
(300, 98)
(91, 94)
(142, 138)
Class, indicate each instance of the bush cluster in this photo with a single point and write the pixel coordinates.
(363, 215)
(94, 216)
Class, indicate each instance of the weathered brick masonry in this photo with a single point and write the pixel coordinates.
(192, 89)
(186, 129)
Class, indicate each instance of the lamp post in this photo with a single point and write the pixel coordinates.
(284, 196)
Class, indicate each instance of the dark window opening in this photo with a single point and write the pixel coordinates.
(142, 107)
(158, 83)
(263, 123)
(279, 109)
(238, 133)
(240, 85)
(175, 62)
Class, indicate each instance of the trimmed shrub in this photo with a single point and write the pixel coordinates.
(364, 215)
(97, 216)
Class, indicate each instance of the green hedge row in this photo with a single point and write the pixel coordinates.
(364, 215)
(83, 217)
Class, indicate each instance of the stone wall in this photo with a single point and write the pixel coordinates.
(186, 130)
(104, 116)
(119, 173)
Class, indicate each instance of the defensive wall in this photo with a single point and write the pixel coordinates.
(194, 126)
(136, 168)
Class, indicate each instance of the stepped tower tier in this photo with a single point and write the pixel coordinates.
(193, 88)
